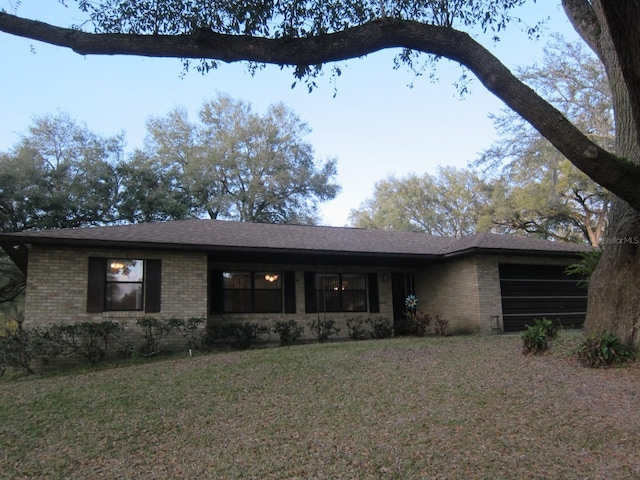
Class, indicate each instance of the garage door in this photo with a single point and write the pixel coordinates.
(540, 291)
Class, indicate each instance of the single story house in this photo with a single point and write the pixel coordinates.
(236, 272)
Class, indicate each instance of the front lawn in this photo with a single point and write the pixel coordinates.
(447, 408)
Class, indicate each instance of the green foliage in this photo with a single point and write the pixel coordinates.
(381, 327)
(536, 337)
(441, 325)
(452, 203)
(541, 193)
(153, 331)
(20, 347)
(357, 329)
(323, 329)
(585, 267)
(59, 175)
(90, 339)
(244, 335)
(603, 350)
(190, 329)
(18, 350)
(231, 164)
(419, 323)
(289, 331)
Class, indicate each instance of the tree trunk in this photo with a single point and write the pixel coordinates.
(614, 289)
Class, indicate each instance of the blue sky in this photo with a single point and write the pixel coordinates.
(375, 125)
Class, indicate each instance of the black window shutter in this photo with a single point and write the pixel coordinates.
(215, 292)
(97, 284)
(374, 297)
(310, 302)
(153, 282)
(289, 292)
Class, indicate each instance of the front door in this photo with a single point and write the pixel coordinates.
(401, 287)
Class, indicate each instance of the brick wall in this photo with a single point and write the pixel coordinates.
(467, 290)
(57, 287)
(450, 289)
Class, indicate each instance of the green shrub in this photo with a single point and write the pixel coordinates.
(381, 327)
(244, 335)
(549, 328)
(603, 350)
(153, 331)
(357, 329)
(18, 350)
(536, 337)
(190, 330)
(441, 325)
(288, 331)
(534, 340)
(90, 339)
(323, 329)
(419, 323)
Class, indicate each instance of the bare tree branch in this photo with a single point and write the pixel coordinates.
(616, 174)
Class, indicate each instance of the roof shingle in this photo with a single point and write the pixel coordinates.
(213, 234)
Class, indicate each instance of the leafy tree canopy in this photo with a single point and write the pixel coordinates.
(544, 194)
(453, 203)
(232, 163)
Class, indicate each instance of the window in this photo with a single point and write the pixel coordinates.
(247, 292)
(119, 284)
(124, 284)
(341, 292)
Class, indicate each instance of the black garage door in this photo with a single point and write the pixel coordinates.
(540, 291)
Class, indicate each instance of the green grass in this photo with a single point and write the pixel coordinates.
(452, 408)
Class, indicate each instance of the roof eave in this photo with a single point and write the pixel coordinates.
(513, 252)
(256, 253)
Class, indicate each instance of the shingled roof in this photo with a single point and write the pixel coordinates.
(218, 235)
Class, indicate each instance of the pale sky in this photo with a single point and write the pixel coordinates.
(375, 125)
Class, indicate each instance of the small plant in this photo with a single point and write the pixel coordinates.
(288, 331)
(441, 325)
(244, 335)
(419, 323)
(90, 339)
(357, 329)
(323, 329)
(534, 339)
(153, 331)
(190, 330)
(603, 350)
(381, 327)
(17, 350)
(546, 325)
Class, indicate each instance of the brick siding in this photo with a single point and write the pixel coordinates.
(465, 290)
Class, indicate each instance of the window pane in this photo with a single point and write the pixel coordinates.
(237, 301)
(120, 270)
(236, 280)
(124, 296)
(268, 301)
(268, 280)
(328, 281)
(329, 301)
(354, 301)
(353, 281)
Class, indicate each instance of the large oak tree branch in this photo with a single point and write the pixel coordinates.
(584, 21)
(623, 19)
(616, 174)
